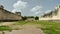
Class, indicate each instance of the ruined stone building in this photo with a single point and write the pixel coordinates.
(6, 15)
(53, 15)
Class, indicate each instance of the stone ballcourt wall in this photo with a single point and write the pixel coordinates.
(6, 15)
(54, 16)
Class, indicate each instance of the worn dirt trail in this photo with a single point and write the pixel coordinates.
(28, 29)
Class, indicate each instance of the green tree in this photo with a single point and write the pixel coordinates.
(24, 18)
(36, 18)
(32, 16)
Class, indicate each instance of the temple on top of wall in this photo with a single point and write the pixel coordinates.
(53, 15)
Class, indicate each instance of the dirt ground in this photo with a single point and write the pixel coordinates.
(26, 29)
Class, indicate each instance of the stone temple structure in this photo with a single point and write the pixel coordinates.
(53, 15)
(7, 15)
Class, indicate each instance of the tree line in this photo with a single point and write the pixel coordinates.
(25, 17)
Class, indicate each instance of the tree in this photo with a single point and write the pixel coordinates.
(36, 18)
(31, 16)
(1, 6)
(24, 18)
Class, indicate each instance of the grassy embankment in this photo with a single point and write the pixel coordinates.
(47, 26)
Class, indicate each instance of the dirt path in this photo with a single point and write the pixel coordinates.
(27, 29)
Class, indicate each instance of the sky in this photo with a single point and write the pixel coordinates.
(29, 7)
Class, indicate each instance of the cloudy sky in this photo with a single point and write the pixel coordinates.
(30, 7)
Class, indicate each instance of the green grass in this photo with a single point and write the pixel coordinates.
(20, 22)
(5, 28)
(48, 27)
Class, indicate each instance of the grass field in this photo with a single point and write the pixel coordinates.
(5, 28)
(48, 27)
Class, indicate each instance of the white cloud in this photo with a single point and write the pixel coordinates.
(48, 11)
(16, 10)
(19, 6)
(36, 8)
(37, 13)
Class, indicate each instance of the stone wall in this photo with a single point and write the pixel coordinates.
(54, 15)
(6, 15)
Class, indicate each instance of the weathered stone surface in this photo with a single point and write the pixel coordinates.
(6, 15)
(53, 15)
